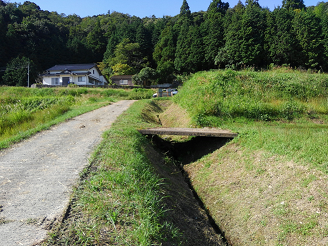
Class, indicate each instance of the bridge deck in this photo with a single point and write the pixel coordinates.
(204, 132)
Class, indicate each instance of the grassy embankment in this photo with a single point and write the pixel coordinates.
(266, 187)
(25, 111)
(120, 198)
(269, 185)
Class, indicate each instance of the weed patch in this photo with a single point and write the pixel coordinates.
(24, 111)
(120, 202)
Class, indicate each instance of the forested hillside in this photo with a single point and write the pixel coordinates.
(157, 49)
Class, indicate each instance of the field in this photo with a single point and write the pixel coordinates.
(265, 187)
(268, 185)
(24, 111)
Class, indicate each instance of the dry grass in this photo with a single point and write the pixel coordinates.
(256, 197)
(260, 199)
(174, 116)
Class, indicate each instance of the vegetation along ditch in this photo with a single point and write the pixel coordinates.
(265, 187)
(183, 153)
(133, 194)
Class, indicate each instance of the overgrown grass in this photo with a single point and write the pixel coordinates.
(253, 95)
(24, 111)
(121, 202)
(284, 113)
(269, 183)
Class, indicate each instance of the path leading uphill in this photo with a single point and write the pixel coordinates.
(37, 175)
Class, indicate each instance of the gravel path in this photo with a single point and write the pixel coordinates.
(37, 175)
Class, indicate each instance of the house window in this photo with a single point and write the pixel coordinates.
(54, 81)
(124, 82)
(81, 79)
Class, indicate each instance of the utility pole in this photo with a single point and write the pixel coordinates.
(28, 74)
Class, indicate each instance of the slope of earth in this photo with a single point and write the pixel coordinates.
(37, 175)
(257, 197)
(133, 194)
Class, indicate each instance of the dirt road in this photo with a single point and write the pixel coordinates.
(37, 175)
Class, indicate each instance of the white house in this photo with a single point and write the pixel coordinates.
(79, 74)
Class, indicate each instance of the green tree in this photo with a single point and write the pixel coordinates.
(196, 58)
(145, 77)
(308, 32)
(16, 72)
(252, 33)
(122, 69)
(280, 41)
(214, 30)
(164, 53)
(185, 10)
(293, 4)
(126, 60)
(96, 41)
(233, 36)
(113, 41)
(30, 9)
(78, 50)
(143, 38)
(183, 49)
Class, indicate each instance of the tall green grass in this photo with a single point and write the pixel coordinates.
(121, 202)
(23, 109)
(283, 113)
(253, 95)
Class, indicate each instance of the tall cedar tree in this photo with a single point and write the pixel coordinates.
(143, 38)
(293, 4)
(280, 39)
(233, 36)
(183, 49)
(324, 23)
(184, 40)
(252, 32)
(214, 31)
(164, 53)
(308, 33)
(196, 58)
(185, 10)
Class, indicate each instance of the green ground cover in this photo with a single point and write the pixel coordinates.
(282, 112)
(266, 187)
(269, 183)
(119, 200)
(266, 96)
(24, 111)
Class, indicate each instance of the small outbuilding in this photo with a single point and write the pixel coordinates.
(79, 74)
(122, 80)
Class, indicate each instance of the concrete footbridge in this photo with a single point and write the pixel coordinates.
(201, 132)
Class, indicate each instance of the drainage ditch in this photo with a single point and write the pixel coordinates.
(187, 152)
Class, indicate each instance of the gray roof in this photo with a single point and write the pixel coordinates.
(72, 67)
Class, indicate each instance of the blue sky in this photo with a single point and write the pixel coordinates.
(141, 8)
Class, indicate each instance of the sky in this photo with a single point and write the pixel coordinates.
(141, 8)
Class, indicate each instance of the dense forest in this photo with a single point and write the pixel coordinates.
(158, 49)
